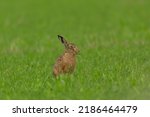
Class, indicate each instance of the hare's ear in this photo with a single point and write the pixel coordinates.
(62, 39)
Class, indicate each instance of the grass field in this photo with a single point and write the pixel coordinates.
(113, 37)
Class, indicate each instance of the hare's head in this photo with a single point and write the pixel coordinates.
(70, 47)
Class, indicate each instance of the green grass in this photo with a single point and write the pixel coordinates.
(113, 37)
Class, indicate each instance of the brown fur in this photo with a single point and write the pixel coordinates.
(67, 61)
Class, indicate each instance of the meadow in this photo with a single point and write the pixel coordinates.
(114, 41)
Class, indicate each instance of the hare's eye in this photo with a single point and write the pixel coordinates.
(70, 46)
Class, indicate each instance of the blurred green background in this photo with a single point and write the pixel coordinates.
(113, 37)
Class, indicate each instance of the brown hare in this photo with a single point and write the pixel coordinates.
(67, 61)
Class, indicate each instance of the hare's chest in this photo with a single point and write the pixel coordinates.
(69, 59)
